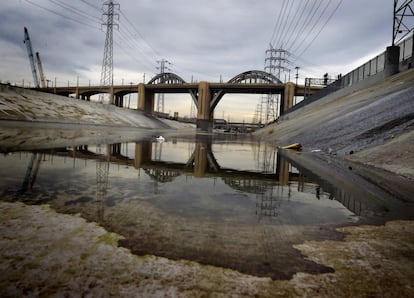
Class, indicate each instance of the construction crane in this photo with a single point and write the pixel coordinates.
(31, 57)
(40, 68)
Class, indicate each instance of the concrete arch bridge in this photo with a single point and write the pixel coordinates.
(206, 95)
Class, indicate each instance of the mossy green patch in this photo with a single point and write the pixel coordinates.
(110, 239)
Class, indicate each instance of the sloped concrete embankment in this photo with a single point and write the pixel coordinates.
(29, 105)
(372, 125)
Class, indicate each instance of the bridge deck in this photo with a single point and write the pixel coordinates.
(242, 88)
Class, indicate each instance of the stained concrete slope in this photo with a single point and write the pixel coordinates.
(28, 105)
(378, 118)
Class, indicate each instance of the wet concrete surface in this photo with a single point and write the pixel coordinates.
(64, 255)
(178, 219)
(46, 253)
(368, 126)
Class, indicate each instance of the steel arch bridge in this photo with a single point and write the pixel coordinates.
(206, 95)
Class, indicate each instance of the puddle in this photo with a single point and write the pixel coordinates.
(236, 204)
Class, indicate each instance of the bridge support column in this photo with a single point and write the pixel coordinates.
(288, 96)
(200, 159)
(282, 170)
(111, 95)
(145, 99)
(85, 97)
(119, 100)
(204, 116)
(143, 153)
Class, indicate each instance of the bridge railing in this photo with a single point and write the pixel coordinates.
(368, 70)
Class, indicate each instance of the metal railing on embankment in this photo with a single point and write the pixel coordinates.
(369, 72)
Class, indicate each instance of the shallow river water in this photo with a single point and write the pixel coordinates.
(233, 203)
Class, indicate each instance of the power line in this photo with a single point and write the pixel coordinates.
(128, 41)
(74, 10)
(312, 27)
(302, 32)
(290, 27)
(280, 38)
(320, 30)
(91, 5)
(296, 25)
(62, 15)
(140, 35)
(278, 21)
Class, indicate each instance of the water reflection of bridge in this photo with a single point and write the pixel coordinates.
(270, 187)
(201, 163)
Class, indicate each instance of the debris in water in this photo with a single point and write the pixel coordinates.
(294, 146)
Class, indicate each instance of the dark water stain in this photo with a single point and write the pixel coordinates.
(79, 201)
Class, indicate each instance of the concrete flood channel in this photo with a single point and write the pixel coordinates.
(234, 203)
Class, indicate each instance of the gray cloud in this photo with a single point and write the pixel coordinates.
(203, 39)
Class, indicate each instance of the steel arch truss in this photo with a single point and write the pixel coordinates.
(171, 78)
(166, 78)
(247, 77)
(255, 77)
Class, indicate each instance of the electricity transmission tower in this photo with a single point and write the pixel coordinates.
(107, 79)
(107, 75)
(402, 25)
(160, 97)
(275, 63)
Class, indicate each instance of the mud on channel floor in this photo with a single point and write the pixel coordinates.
(46, 253)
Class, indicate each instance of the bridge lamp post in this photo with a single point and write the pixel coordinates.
(297, 76)
(129, 97)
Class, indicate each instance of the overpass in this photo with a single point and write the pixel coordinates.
(206, 95)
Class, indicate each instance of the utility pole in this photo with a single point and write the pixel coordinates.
(107, 76)
(160, 97)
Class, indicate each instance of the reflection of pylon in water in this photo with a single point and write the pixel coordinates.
(102, 172)
(265, 156)
(267, 204)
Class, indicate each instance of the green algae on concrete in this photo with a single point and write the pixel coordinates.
(372, 261)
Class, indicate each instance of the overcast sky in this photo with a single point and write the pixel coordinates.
(203, 40)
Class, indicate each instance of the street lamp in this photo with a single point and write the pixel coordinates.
(129, 97)
(296, 84)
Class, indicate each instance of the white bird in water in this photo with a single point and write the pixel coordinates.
(160, 139)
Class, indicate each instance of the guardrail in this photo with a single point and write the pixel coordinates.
(370, 69)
